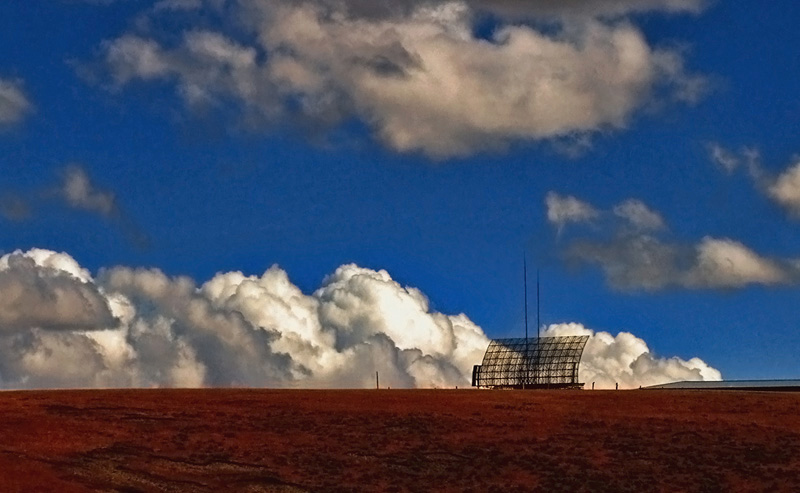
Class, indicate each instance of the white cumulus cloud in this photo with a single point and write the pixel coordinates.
(48, 291)
(785, 189)
(416, 72)
(645, 262)
(626, 360)
(782, 188)
(75, 190)
(563, 209)
(527, 8)
(639, 215)
(79, 192)
(14, 104)
(633, 256)
(726, 263)
(139, 327)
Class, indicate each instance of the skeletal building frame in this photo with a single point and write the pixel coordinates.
(537, 362)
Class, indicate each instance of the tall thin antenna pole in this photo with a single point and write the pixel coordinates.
(538, 320)
(525, 282)
(538, 328)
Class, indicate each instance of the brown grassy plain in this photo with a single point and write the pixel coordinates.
(394, 440)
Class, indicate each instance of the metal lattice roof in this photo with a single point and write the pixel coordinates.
(530, 362)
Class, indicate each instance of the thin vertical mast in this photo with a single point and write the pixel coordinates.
(538, 320)
(538, 327)
(525, 283)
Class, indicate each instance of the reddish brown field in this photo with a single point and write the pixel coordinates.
(448, 440)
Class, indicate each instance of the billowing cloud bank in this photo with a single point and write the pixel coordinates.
(626, 360)
(137, 327)
(418, 73)
(61, 327)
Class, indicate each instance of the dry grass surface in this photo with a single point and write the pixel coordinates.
(448, 440)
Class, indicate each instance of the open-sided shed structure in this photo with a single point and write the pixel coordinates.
(540, 362)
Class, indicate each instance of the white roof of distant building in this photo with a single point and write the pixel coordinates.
(732, 384)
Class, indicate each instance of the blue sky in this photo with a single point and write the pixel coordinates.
(207, 177)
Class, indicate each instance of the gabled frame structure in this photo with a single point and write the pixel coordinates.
(539, 362)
